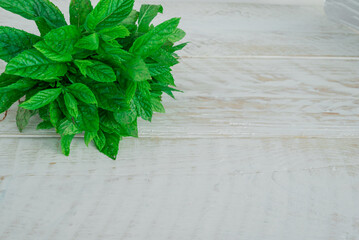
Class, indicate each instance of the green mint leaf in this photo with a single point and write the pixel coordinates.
(108, 13)
(143, 103)
(164, 88)
(55, 113)
(71, 105)
(131, 19)
(44, 125)
(79, 9)
(63, 39)
(90, 42)
(33, 64)
(177, 35)
(67, 127)
(100, 140)
(157, 69)
(150, 42)
(147, 14)
(9, 98)
(34, 9)
(165, 78)
(109, 97)
(88, 119)
(96, 70)
(112, 33)
(136, 69)
(13, 41)
(66, 143)
(89, 136)
(157, 105)
(82, 93)
(43, 25)
(23, 84)
(6, 79)
(111, 146)
(41, 99)
(52, 54)
(164, 58)
(22, 117)
(112, 55)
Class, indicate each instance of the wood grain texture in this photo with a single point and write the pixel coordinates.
(262, 144)
(205, 189)
(343, 11)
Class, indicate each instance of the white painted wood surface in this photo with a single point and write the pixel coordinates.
(344, 11)
(263, 144)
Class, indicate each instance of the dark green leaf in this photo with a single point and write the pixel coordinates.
(111, 146)
(55, 113)
(165, 78)
(6, 79)
(79, 9)
(88, 119)
(9, 98)
(82, 93)
(164, 58)
(150, 42)
(44, 125)
(108, 13)
(96, 70)
(22, 84)
(14, 41)
(66, 143)
(147, 14)
(109, 97)
(131, 19)
(41, 99)
(33, 64)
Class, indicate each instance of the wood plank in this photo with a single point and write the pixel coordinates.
(251, 98)
(246, 29)
(181, 189)
(343, 11)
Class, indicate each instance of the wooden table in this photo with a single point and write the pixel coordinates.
(263, 144)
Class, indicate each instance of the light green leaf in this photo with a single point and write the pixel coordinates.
(112, 33)
(164, 58)
(177, 35)
(157, 105)
(67, 127)
(41, 98)
(108, 13)
(89, 136)
(113, 55)
(34, 9)
(71, 105)
(136, 70)
(22, 117)
(126, 117)
(150, 42)
(51, 54)
(143, 105)
(79, 9)
(96, 70)
(82, 93)
(130, 90)
(147, 14)
(100, 140)
(166, 78)
(33, 64)
(131, 19)
(157, 69)
(13, 41)
(63, 39)
(90, 42)
(66, 143)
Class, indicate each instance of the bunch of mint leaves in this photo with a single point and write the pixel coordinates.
(95, 76)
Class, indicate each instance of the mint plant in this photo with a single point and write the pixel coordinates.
(96, 76)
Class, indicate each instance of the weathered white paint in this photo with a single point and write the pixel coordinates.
(344, 11)
(263, 144)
